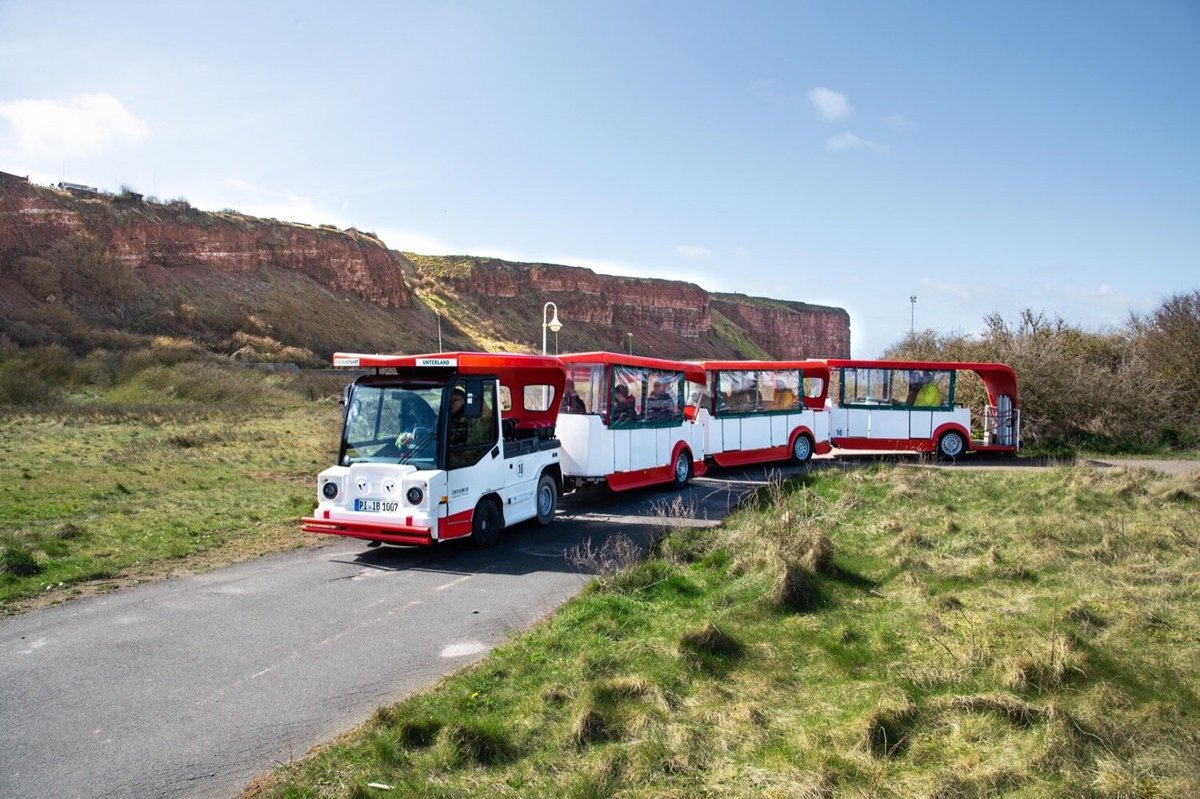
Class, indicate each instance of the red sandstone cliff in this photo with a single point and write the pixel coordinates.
(224, 278)
(175, 235)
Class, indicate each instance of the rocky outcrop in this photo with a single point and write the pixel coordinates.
(152, 236)
(675, 316)
(215, 276)
(789, 330)
(590, 298)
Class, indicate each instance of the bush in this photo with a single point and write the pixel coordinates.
(1134, 388)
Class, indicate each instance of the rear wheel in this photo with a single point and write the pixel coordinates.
(951, 445)
(802, 449)
(547, 499)
(681, 472)
(486, 524)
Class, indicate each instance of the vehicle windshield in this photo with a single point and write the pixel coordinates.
(392, 424)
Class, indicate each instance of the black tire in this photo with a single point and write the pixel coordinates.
(681, 469)
(546, 499)
(802, 449)
(951, 445)
(486, 524)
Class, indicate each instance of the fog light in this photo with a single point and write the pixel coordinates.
(415, 495)
(329, 490)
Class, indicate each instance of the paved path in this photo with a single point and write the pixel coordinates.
(194, 686)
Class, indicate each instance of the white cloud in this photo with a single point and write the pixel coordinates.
(693, 251)
(845, 142)
(77, 127)
(899, 122)
(830, 105)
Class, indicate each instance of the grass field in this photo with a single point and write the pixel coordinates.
(180, 468)
(885, 632)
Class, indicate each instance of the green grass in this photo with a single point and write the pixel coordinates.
(886, 632)
(177, 468)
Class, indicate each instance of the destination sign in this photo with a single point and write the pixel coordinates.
(345, 362)
(437, 361)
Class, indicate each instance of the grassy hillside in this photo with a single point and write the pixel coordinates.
(121, 469)
(892, 632)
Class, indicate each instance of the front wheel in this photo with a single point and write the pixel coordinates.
(951, 445)
(547, 500)
(802, 450)
(486, 524)
(681, 472)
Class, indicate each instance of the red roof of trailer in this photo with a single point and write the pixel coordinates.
(806, 366)
(691, 371)
(998, 378)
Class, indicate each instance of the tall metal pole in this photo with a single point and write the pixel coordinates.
(912, 318)
(439, 318)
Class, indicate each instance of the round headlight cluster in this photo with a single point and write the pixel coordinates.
(415, 495)
(329, 490)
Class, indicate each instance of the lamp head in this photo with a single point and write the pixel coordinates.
(554, 324)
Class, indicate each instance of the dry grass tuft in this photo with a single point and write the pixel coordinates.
(890, 726)
(711, 640)
(591, 727)
(1006, 706)
(480, 743)
(1046, 670)
(795, 589)
(418, 733)
(1120, 779)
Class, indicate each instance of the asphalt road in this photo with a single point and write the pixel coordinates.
(194, 686)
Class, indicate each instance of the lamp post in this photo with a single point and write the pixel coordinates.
(553, 324)
(912, 317)
(438, 312)
(630, 343)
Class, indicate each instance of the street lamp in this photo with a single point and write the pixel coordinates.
(438, 311)
(630, 343)
(553, 324)
(912, 317)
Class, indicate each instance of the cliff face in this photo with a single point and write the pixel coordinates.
(224, 278)
(174, 236)
(666, 317)
(789, 330)
(583, 296)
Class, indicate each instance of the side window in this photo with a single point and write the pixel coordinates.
(473, 428)
(867, 386)
(578, 394)
(813, 386)
(626, 403)
(738, 392)
(926, 388)
(663, 391)
(780, 390)
(538, 398)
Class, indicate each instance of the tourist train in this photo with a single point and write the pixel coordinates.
(461, 445)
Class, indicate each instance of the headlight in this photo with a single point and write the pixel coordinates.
(415, 495)
(329, 490)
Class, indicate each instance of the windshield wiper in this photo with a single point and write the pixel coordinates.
(418, 446)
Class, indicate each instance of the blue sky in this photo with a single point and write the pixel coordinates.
(983, 157)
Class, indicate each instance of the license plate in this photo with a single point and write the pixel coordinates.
(376, 506)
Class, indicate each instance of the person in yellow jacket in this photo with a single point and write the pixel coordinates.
(930, 396)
